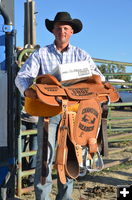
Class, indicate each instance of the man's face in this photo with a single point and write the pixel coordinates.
(62, 32)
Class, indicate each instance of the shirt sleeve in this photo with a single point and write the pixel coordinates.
(95, 70)
(93, 66)
(28, 72)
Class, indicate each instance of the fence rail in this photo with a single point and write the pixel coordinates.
(120, 120)
(97, 60)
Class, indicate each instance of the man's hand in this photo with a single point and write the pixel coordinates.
(30, 93)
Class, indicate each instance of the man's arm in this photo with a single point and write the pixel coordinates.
(95, 69)
(84, 56)
(26, 75)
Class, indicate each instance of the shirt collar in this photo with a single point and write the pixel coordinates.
(54, 47)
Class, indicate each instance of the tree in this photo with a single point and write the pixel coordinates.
(115, 71)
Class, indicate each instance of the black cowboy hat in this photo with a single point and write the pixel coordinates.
(65, 17)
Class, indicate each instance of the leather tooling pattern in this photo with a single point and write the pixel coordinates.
(80, 91)
(51, 89)
(89, 115)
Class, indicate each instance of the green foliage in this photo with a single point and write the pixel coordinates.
(115, 71)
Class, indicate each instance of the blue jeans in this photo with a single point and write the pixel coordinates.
(42, 192)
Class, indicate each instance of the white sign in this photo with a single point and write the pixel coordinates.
(71, 71)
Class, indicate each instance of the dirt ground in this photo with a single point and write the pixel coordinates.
(102, 185)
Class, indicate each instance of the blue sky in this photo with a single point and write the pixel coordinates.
(107, 25)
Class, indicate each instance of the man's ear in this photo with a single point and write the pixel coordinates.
(72, 30)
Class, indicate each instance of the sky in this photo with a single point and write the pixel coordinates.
(107, 25)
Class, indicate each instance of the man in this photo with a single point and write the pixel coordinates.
(43, 61)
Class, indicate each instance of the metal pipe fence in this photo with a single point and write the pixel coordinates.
(24, 154)
(122, 123)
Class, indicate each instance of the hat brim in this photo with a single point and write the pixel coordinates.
(76, 24)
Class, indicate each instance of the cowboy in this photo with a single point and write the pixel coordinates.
(43, 61)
